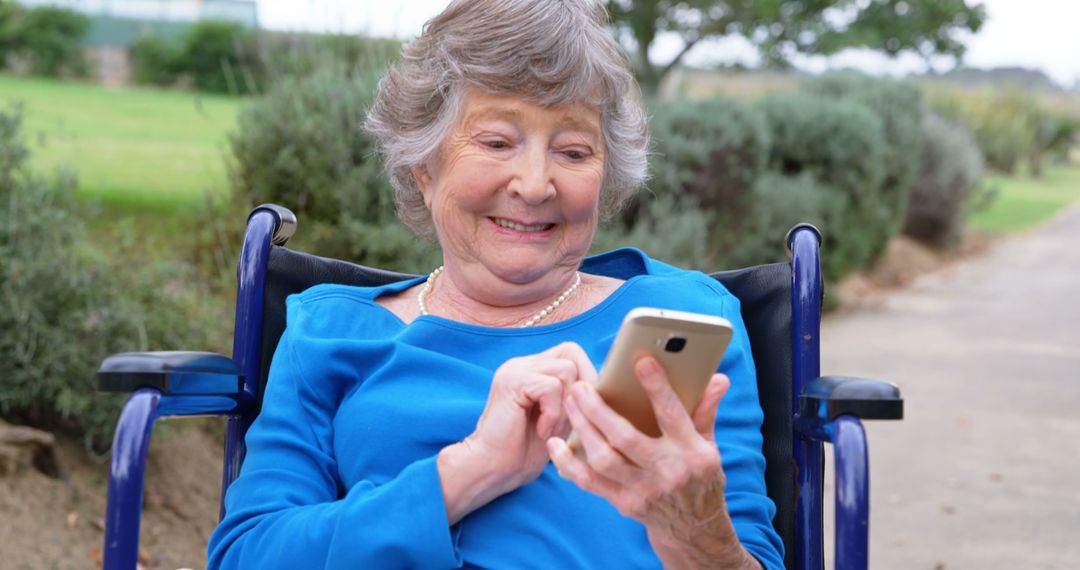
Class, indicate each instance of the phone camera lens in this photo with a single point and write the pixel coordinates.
(675, 344)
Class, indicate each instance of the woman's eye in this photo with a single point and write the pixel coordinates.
(497, 144)
(575, 154)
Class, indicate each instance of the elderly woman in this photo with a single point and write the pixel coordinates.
(422, 423)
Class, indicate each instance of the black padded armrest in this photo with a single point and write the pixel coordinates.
(171, 372)
(827, 397)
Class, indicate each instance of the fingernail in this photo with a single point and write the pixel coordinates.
(648, 367)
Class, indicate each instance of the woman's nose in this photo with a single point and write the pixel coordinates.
(532, 180)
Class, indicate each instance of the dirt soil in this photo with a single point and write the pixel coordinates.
(904, 260)
(53, 523)
(57, 523)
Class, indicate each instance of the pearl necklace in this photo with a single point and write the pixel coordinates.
(543, 312)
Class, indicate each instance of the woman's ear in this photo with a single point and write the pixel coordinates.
(424, 182)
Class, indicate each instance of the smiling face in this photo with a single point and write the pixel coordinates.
(514, 196)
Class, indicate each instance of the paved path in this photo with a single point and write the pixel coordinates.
(984, 471)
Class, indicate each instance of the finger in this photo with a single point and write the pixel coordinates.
(573, 352)
(600, 456)
(704, 415)
(577, 471)
(620, 434)
(562, 368)
(562, 427)
(671, 416)
(546, 392)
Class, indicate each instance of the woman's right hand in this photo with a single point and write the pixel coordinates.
(508, 448)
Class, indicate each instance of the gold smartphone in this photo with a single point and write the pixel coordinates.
(689, 346)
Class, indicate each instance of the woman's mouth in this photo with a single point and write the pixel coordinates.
(519, 227)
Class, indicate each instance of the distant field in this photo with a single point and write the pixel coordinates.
(1025, 202)
(145, 149)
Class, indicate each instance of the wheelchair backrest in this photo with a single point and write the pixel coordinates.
(764, 293)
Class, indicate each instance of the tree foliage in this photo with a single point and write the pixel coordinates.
(46, 40)
(781, 29)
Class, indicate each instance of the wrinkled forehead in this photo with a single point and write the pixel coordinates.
(478, 106)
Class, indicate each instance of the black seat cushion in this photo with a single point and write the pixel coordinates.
(763, 291)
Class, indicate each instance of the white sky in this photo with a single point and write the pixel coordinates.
(1030, 33)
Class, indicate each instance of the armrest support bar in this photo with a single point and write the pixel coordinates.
(127, 472)
(852, 486)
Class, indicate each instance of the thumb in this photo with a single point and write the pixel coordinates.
(704, 415)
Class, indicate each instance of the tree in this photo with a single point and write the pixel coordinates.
(781, 29)
(47, 39)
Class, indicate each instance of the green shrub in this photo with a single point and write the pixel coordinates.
(841, 146)
(705, 154)
(1005, 131)
(67, 304)
(1011, 128)
(48, 39)
(952, 167)
(900, 106)
(778, 202)
(302, 146)
(10, 20)
(290, 55)
(221, 57)
(154, 61)
(1055, 135)
(670, 229)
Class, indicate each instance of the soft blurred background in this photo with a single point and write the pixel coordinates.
(135, 135)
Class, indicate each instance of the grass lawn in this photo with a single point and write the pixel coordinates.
(1024, 202)
(135, 149)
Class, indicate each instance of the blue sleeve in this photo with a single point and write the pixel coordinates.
(738, 434)
(288, 509)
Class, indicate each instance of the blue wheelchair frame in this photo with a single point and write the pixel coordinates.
(826, 409)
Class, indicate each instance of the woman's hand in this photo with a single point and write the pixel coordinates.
(507, 449)
(673, 484)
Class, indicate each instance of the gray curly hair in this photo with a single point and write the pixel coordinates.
(548, 52)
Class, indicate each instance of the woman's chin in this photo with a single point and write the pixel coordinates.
(522, 269)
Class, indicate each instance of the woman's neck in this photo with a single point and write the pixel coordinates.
(491, 301)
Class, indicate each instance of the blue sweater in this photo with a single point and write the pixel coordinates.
(340, 469)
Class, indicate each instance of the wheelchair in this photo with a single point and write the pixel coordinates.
(781, 307)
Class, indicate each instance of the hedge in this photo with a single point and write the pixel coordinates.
(46, 40)
(221, 57)
(155, 61)
(302, 146)
(68, 304)
(706, 154)
(728, 178)
(952, 167)
(841, 146)
(900, 105)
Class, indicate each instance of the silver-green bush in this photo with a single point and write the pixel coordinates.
(841, 146)
(951, 168)
(900, 105)
(706, 155)
(67, 304)
(302, 146)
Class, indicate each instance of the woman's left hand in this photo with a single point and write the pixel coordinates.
(673, 484)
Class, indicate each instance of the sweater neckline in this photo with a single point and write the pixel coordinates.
(595, 265)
